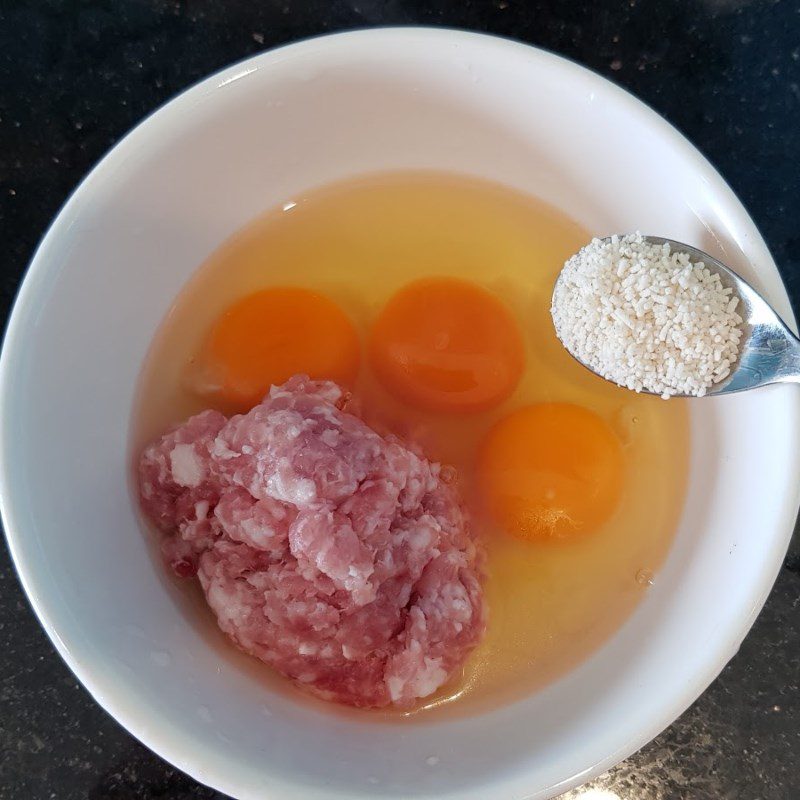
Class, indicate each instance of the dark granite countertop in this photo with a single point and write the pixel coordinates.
(75, 75)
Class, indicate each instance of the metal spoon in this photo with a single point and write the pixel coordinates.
(768, 352)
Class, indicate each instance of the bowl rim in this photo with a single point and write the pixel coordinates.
(36, 273)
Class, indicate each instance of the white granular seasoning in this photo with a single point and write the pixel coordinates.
(647, 318)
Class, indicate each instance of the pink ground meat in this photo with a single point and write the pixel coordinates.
(338, 556)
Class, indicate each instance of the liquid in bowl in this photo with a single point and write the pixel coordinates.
(359, 242)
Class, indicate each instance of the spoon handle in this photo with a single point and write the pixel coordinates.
(772, 356)
(787, 370)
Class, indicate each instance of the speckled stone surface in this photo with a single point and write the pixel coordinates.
(75, 75)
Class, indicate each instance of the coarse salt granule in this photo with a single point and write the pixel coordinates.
(647, 318)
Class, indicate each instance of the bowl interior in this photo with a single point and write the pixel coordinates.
(172, 191)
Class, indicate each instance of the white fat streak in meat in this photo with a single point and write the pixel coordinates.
(395, 686)
(429, 679)
(187, 467)
(221, 451)
(424, 682)
(331, 436)
(299, 492)
(258, 533)
(201, 509)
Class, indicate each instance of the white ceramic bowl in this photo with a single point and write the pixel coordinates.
(149, 214)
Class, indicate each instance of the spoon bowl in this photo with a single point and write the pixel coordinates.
(768, 351)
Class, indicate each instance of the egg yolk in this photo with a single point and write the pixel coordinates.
(444, 344)
(270, 335)
(550, 471)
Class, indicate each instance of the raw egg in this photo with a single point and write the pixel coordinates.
(444, 344)
(268, 336)
(551, 470)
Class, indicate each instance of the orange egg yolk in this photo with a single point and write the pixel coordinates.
(270, 335)
(550, 471)
(444, 344)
